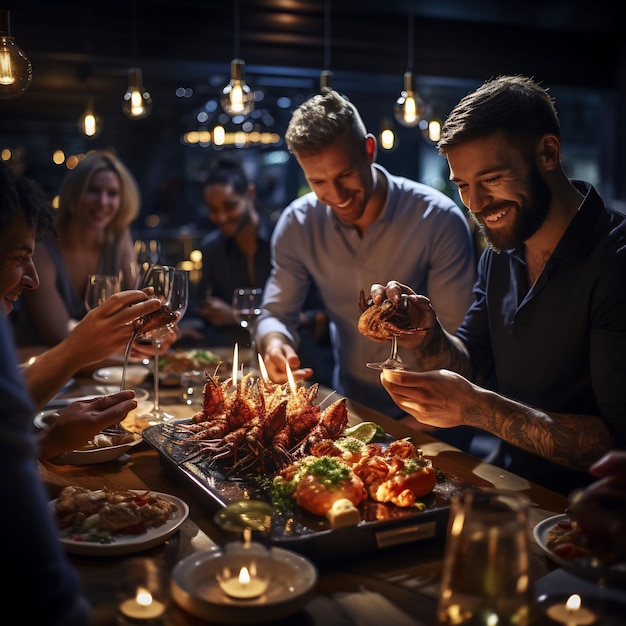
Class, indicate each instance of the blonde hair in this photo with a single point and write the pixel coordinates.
(77, 180)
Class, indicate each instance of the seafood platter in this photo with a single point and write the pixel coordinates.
(337, 487)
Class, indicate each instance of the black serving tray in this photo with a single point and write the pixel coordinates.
(382, 525)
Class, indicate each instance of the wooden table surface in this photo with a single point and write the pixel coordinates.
(392, 586)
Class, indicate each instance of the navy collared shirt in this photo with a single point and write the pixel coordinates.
(560, 344)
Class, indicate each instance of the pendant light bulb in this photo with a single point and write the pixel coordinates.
(137, 102)
(237, 97)
(90, 123)
(409, 107)
(16, 71)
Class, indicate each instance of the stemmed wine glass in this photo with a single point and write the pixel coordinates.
(393, 361)
(148, 253)
(171, 286)
(247, 306)
(99, 288)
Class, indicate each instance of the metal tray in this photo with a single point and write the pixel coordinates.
(382, 525)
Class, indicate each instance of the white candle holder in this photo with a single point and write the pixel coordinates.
(245, 568)
(143, 596)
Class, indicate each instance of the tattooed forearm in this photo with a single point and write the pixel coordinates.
(574, 441)
(440, 350)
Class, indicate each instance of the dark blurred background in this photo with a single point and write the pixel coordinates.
(82, 50)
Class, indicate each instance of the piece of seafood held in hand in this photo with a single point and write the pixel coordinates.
(381, 321)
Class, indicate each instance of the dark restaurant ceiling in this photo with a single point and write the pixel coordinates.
(84, 48)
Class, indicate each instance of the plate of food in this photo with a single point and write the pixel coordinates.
(108, 522)
(174, 362)
(102, 449)
(336, 487)
(564, 542)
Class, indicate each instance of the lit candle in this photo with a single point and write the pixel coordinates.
(263, 369)
(142, 607)
(235, 364)
(244, 586)
(572, 613)
(292, 382)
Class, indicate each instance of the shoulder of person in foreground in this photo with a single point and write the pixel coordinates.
(32, 546)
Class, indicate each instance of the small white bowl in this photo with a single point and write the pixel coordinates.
(135, 375)
(195, 588)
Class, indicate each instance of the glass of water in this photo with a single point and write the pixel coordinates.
(485, 578)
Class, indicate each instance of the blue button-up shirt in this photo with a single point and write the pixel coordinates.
(421, 238)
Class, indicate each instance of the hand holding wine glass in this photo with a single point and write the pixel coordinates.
(387, 320)
(99, 288)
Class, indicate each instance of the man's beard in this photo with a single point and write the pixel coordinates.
(528, 219)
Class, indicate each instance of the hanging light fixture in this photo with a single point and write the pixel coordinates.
(90, 123)
(409, 107)
(237, 97)
(137, 102)
(326, 76)
(387, 138)
(430, 125)
(16, 71)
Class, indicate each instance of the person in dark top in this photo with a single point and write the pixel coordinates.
(538, 360)
(237, 254)
(32, 551)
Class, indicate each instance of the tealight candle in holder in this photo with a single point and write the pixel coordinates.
(571, 613)
(143, 595)
(245, 568)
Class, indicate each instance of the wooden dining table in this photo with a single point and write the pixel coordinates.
(397, 585)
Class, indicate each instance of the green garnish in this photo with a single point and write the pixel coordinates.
(329, 471)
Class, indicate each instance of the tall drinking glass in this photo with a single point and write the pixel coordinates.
(171, 286)
(246, 306)
(485, 577)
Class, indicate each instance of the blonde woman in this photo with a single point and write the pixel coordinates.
(98, 200)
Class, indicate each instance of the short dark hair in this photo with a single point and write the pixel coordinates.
(228, 171)
(514, 105)
(22, 196)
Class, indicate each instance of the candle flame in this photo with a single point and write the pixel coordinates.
(573, 603)
(235, 364)
(263, 370)
(292, 382)
(143, 597)
(244, 576)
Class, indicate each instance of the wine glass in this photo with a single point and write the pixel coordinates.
(148, 253)
(171, 286)
(247, 306)
(99, 288)
(393, 361)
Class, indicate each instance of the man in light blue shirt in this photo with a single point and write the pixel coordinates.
(358, 226)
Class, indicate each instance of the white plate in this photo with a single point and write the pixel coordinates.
(135, 375)
(582, 566)
(128, 544)
(195, 588)
(93, 456)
